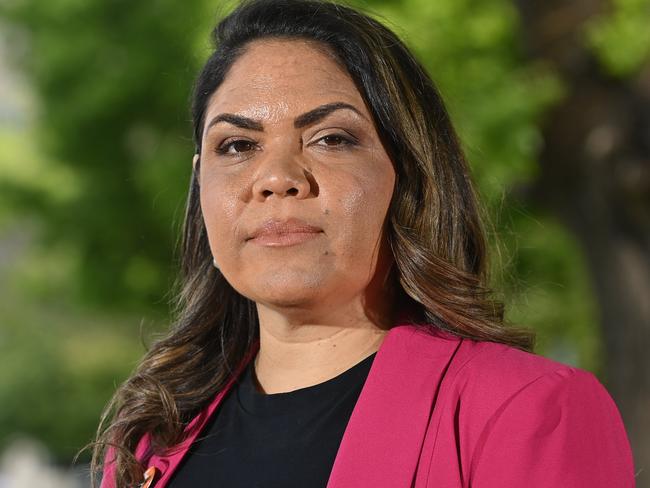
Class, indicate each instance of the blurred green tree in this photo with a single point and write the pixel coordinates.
(100, 183)
(595, 175)
(113, 79)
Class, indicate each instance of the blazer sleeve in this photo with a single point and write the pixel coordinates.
(563, 429)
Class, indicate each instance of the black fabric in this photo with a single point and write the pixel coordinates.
(281, 440)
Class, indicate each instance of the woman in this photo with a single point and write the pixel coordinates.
(334, 327)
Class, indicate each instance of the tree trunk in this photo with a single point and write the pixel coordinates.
(595, 177)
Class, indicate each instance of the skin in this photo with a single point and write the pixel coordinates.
(322, 303)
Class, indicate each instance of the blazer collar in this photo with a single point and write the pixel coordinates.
(382, 442)
(383, 439)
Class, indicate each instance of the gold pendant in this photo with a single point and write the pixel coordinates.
(149, 475)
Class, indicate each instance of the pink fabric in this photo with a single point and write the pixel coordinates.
(440, 411)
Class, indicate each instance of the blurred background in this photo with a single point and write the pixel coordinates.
(552, 101)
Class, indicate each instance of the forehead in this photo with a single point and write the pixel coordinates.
(275, 78)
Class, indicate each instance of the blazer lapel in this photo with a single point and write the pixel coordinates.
(383, 439)
(165, 465)
(382, 442)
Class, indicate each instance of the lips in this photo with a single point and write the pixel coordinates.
(276, 232)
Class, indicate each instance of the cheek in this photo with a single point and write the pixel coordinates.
(220, 210)
(363, 208)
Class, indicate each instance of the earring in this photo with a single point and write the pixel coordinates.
(214, 263)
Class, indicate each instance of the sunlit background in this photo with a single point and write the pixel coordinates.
(552, 101)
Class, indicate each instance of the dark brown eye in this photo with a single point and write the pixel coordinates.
(235, 147)
(334, 140)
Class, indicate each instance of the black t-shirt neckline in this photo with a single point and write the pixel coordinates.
(259, 404)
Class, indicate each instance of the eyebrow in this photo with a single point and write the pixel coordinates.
(303, 120)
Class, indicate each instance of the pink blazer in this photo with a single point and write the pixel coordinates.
(444, 412)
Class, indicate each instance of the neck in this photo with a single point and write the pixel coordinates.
(297, 352)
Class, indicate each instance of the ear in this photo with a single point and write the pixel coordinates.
(195, 161)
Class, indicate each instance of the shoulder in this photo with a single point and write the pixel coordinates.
(557, 420)
(480, 367)
(498, 381)
(484, 377)
(502, 370)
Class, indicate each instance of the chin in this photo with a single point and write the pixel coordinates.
(289, 294)
(286, 303)
(287, 289)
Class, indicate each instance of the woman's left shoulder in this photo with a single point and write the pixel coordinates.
(492, 372)
(501, 378)
(502, 368)
(485, 367)
(558, 420)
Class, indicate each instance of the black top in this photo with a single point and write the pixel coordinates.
(281, 440)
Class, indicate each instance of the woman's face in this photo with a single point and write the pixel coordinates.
(295, 183)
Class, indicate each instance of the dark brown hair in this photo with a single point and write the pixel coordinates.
(434, 228)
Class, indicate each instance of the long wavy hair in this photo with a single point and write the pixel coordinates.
(434, 228)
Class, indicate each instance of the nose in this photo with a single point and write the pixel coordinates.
(282, 176)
